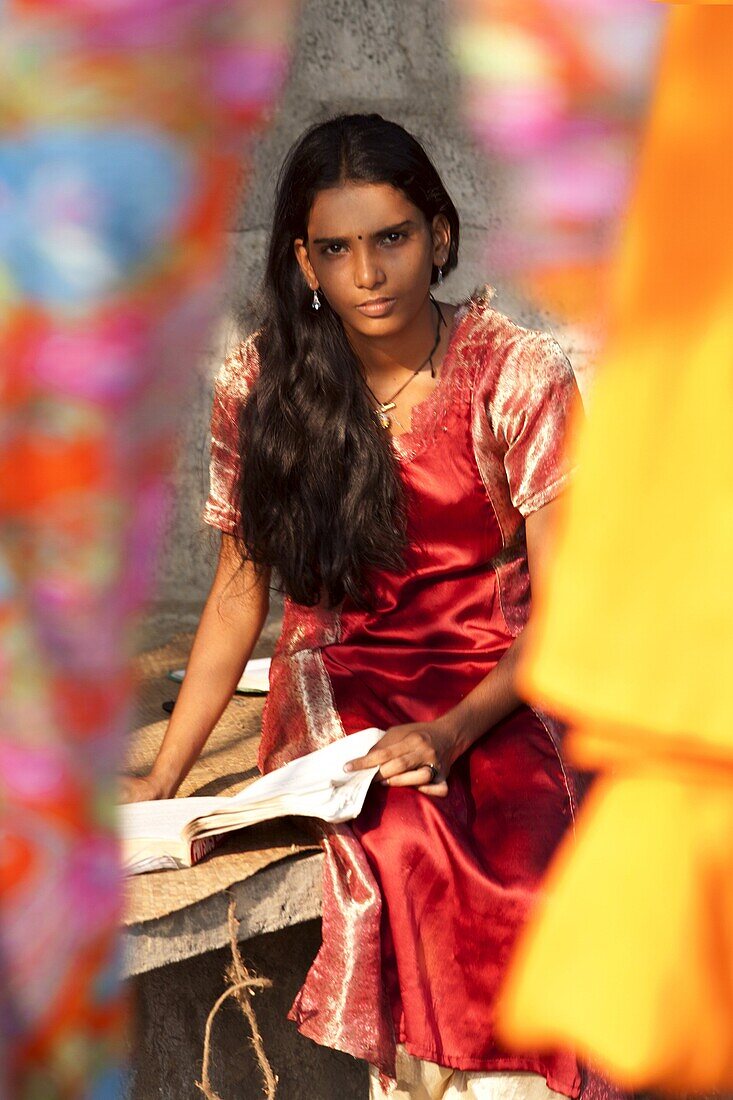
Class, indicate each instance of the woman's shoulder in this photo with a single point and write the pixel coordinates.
(525, 393)
(503, 343)
(507, 356)
(238, 372)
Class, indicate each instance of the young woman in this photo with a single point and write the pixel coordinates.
(392, 460)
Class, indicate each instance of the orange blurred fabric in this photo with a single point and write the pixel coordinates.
(631, 957)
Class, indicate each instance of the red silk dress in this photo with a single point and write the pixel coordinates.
(423, 898)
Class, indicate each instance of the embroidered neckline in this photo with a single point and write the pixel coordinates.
(424, 415)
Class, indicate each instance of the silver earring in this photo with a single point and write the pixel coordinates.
(316, 301)
(440, 275)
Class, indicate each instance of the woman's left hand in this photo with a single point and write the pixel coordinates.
(405, 753)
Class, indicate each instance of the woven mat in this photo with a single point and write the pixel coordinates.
(228, 763)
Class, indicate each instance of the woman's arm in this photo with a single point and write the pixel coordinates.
(231, 622)
(405, 752)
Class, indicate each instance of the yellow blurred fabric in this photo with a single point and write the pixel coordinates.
(631, 958)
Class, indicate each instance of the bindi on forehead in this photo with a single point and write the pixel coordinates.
(358, 210)
(395, 227)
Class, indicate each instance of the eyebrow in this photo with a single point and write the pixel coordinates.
(407, 224)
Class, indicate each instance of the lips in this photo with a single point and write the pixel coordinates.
(376, 307)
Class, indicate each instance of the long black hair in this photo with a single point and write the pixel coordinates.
(320, 500)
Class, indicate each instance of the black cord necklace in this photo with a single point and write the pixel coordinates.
(384, 407)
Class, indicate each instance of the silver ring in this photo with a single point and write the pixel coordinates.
(434, 773)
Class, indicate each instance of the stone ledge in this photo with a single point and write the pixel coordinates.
(284, 894)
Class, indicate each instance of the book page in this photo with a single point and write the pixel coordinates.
(255, 680)
(315, 785)
(256, 676)
(165, 819)
(318, 770)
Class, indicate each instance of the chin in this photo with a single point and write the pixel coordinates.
(379, 326)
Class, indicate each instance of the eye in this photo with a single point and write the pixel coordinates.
(336, 248)
(394, 238)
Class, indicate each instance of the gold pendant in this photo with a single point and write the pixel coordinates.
(382, 411)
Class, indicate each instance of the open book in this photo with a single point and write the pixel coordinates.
(255, 680)
(178, 832)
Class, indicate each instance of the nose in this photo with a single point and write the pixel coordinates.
(367, 271)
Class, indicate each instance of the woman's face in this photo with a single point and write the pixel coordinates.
(371, 253)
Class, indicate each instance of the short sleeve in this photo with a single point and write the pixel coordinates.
(232, 386)
(535, 397)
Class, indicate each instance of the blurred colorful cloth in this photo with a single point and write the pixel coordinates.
(123, 131)
(555, 92)
(631, 957)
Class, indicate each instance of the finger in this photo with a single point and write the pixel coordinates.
(376, 757)
(358, 764)
(416, 777)
(407, 762)
(371, 760)
(435, 790)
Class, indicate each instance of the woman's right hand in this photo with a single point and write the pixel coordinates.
(139, 789)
